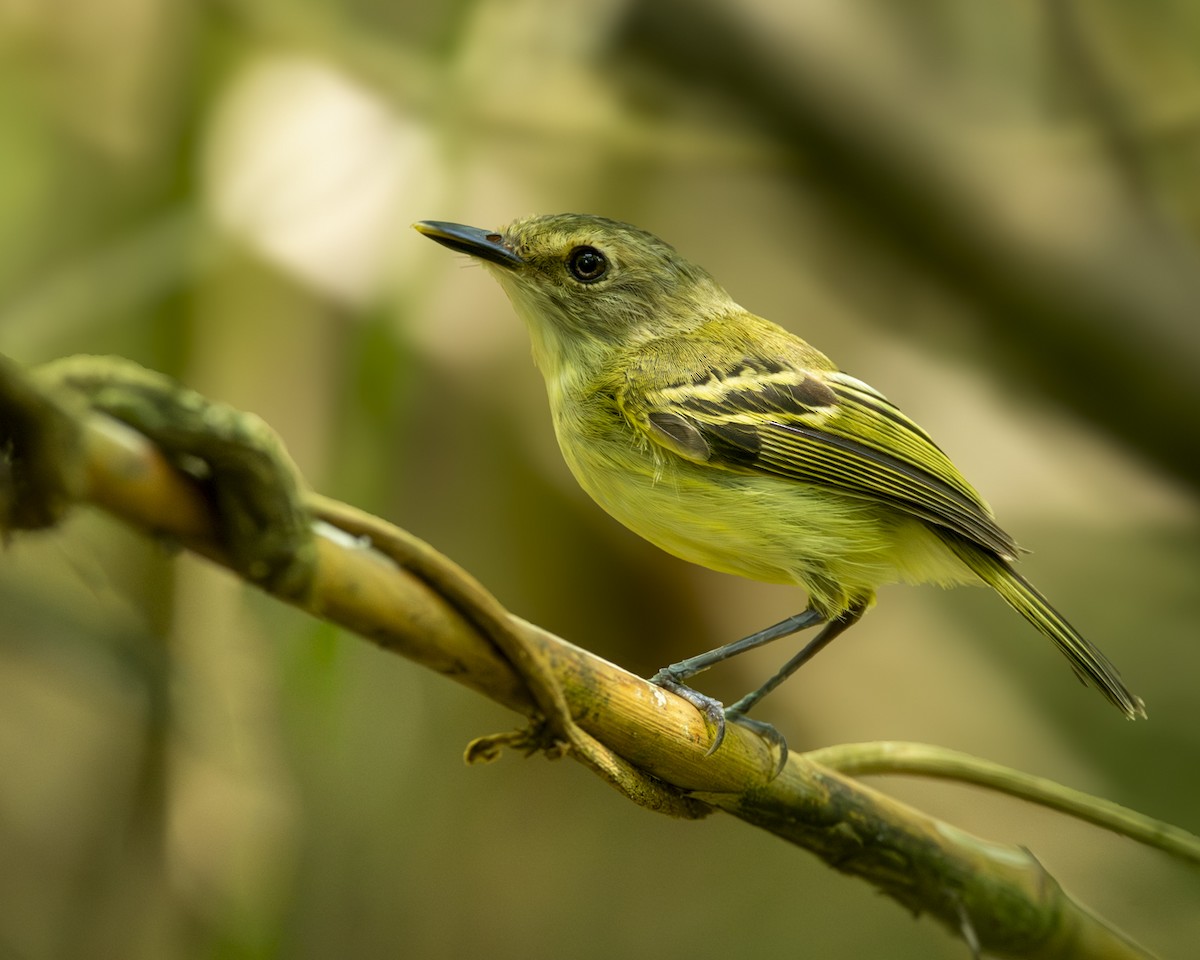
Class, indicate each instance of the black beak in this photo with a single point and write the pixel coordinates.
(485, 244)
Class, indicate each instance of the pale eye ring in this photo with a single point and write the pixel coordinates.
(587, 264)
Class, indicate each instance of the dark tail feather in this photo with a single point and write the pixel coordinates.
(1089, 664)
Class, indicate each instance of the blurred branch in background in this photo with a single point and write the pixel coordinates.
(1102, 310)
(378, 581)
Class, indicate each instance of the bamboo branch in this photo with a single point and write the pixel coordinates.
(386, 586)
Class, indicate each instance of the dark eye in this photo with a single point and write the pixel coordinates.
(587, 264)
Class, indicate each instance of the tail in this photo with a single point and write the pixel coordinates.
(1089, 664)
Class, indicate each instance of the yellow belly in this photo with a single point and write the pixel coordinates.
(839, 548)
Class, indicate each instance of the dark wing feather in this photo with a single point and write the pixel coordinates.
(817, 427)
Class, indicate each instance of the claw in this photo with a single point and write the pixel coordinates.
(773, 737)
(713, 710)
(718, 716)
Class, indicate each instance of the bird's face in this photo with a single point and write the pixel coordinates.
(584, 283)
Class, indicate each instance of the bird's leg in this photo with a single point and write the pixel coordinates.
(831, 629)
(677, 672)
(672, 677)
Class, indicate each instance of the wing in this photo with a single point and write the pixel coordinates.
(814, 426)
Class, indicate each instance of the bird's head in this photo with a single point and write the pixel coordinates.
(587, 285)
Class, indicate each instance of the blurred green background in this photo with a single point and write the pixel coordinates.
(990, 211)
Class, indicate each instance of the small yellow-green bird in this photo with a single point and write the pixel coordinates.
(730, 442)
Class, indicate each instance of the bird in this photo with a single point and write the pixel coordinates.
(730, 442)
